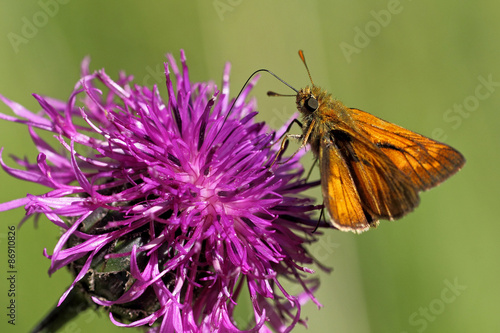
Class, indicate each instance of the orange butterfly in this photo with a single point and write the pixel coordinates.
(370, 169)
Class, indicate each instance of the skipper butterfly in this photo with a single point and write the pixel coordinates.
(370, 169)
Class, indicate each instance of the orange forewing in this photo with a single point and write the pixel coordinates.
(427, 162)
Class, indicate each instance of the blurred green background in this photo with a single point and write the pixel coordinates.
(414, 63)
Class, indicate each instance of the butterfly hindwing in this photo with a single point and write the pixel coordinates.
(340, 195)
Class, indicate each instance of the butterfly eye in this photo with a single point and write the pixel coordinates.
(311, 104)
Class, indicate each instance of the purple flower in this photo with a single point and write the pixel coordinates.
(169, 209)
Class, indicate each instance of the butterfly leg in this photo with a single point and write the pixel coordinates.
(303, 137)
(284, 143)
(310, 170)
(321, 215)
(295, 121)
(284, 139)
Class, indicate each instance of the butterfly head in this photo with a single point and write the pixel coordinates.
(309, 99)
(307, 103)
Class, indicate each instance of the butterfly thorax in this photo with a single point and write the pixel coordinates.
(321, 111)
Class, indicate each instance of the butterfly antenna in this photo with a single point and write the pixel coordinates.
(273, 94)
(301, 55)
(241, 91)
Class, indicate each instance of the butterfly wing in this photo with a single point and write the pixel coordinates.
(425, 161)
(340, 195)
(372, 169)
(385, 191)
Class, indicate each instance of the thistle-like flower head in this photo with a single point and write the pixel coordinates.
(170, 208)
